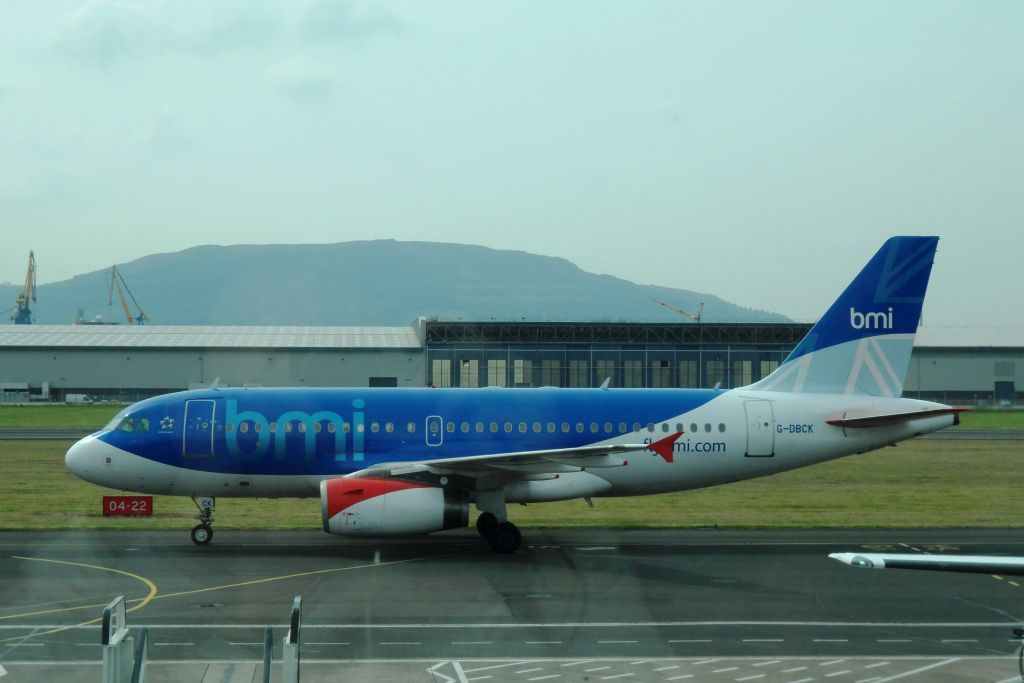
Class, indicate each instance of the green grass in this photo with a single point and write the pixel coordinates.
(57, 416)
(926, 483)
(992, 419)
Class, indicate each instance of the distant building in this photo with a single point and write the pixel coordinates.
(57, 362)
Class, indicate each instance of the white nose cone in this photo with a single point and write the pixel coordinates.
(81, 459)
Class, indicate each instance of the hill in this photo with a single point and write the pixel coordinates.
(381, 282)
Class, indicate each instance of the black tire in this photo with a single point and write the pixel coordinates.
(505, 538)
(485, 523)
(202, 534)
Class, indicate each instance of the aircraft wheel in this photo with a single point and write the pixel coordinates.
(485, 523)
(202, 534)
(505, 538)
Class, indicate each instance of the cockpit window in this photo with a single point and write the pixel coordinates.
(115, 421)
(133, 424)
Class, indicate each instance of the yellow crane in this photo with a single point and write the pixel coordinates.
(691, 316)
(23, 314)
(117, 282)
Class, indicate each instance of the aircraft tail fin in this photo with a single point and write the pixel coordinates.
(862, 344)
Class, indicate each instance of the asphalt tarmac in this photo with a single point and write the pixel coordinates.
(571, 605)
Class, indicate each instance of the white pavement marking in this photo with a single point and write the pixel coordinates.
(582, 661)
(568, 624)
(609, 678)
(543, 642)
(544, 678)
(919, 670)
(770, 661)
(495, 666)
(722, 671)
(3, 671)
(837, 673)
(832, 662)
(875, 665)
(751, 678)
(469, 642)
(679, 678)
(668, 668)
(763, 640)
(617, 642)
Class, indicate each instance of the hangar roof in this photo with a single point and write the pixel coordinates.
(208, 336)
(970, 337)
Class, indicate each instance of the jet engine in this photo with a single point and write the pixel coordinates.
(389, 507)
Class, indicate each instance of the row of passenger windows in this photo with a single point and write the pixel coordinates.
(480, 427)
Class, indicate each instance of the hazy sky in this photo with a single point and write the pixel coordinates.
(760, 151)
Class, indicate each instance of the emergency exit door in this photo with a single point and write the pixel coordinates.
(760, 432)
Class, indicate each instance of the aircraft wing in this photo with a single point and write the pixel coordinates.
(975, 564)
(549, 461)
(894, 418)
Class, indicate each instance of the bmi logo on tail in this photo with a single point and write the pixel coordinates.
(870, 321)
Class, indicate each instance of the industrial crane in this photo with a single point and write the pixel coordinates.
(117, 281)
(23, 314)
(694, 318)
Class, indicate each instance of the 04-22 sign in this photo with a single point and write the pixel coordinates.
(127, 506)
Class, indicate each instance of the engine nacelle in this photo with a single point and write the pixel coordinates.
(389, 507)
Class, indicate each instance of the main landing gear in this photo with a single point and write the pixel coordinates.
(504, 537)
(202, 533)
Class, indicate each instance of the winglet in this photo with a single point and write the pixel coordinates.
(666, 446)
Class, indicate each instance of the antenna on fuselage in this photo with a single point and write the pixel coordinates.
(606, 383)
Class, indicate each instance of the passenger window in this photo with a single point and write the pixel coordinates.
(273, 427)
(494, 427)
(450, 427)
(536, 427)
(317, 427)
(331, 428)
(287, 427)
(360, 428)
(479, 427)
(579, 427)
(230, 428)
(522, 427)
(551, 427)
(389, 427)
(664, 427)
(302, 427)
(465, 427)
(636, 426)
(650, 426)
(243, 428)
(374, 427)
(593, 428)
(508, 427)
(679, 426)
(607, 427)
(721, 427)
(347, 427)
(411, 427)
(693, 426)
(565, 427)
(622, 428)
(707, 427)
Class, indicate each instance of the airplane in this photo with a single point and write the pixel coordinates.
(970, 564)
(399, 461)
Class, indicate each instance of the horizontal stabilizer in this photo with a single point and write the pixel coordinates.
(895, 418)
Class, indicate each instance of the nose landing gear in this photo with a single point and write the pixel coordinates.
(202, 533)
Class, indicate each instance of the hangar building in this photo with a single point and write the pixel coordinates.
(126, 363)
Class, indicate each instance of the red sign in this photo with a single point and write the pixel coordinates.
(127, 506)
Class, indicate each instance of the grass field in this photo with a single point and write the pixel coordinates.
(95, 416)
(957, 483)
